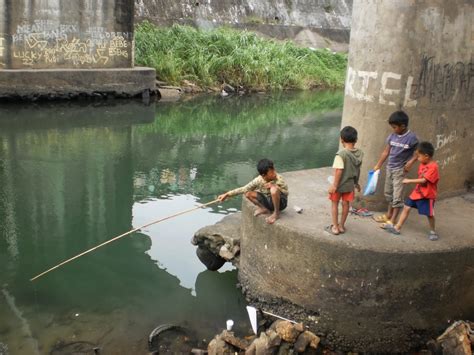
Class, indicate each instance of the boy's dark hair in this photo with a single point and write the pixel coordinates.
(264, 165)
(426, 148)
(349, 134)
(398, 118)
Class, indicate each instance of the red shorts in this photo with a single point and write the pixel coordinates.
(346, 196)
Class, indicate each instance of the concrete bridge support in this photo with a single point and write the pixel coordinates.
(416, 56)
(66, 48)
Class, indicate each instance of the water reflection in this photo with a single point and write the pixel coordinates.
(73, 176)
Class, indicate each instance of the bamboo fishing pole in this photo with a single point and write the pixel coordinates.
(121, 236)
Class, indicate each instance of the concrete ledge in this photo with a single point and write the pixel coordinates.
(66, 83)
(366, 290)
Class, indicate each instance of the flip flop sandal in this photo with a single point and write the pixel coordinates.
(386, 225)
(329, 229)
(381, 219)
(433, 236)
(363, 212)
(392, 230)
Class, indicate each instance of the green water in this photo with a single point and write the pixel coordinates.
(75, 175)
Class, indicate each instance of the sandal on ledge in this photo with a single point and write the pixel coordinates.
(329, 229)
(391, 229)
(381, 218)
(433, 236)
(386, 225)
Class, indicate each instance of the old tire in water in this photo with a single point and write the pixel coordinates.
(212, 261)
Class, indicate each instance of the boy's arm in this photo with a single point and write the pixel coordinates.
(252, 185)
(414, 181)
(383, 157)
(409, 164)
(337, 180)
(413, 159)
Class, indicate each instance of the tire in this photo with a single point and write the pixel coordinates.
(212, 261)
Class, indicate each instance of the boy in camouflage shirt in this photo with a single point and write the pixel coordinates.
(268, 191)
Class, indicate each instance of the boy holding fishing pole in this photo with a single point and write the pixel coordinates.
(268, 191)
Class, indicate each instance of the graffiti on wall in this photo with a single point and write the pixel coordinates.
(446, 83)
(359, 83)
(2, 50)
(45, 42)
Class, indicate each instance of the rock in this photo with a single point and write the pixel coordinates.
(299, 327)
(286, 330)
(190, 88)
(455, 339)
(218, 346)
(228, 88)
(169, 94)
(266, 344)
(304, 339)
(229, 337)
(285, 349)
(225, 233)
(225, 253)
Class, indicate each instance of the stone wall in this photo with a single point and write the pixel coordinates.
(415, 56)
(317, 23)
(38, 34)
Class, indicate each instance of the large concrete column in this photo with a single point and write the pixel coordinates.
(416, 56)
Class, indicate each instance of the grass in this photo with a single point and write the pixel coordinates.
(209, 58)
(238, 116)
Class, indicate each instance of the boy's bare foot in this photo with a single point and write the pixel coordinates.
(341, 229)
(272, 218)
(260, 210)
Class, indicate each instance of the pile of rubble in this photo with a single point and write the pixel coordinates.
(282, 337)
(457, 339)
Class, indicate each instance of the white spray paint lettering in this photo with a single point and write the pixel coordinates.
(360, 82)
(443, 139)
(2, 48)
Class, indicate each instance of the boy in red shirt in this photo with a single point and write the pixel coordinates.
(424, 194)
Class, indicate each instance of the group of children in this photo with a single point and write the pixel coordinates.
(269, 192)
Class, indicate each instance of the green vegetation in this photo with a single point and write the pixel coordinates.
(239, 116)
(239, 58)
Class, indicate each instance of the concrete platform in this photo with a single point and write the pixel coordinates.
(69, 83)
(365, 290)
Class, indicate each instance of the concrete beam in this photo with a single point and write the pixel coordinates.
(64, 83)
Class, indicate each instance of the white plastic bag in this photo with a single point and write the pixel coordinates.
(372, 180)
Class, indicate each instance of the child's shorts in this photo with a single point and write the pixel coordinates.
(345, 196)
(424, 206)
(266, 201)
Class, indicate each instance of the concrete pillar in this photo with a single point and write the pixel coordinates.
(39, 34)
(416, 56)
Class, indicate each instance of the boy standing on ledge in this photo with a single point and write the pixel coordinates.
(268, 191)
(399, 149)
(346, 178)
